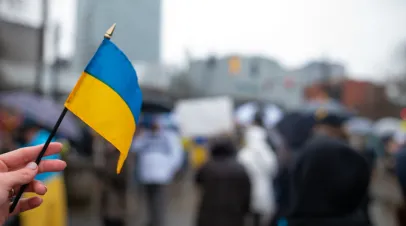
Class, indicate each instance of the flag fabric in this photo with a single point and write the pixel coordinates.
(107, 97)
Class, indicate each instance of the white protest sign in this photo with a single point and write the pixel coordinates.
(205, 116)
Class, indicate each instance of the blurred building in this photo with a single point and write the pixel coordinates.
(247, 77)
(368, 99)
(244, 78)
(31, 32)
(138, 28)
(365, 98)
(73, 31)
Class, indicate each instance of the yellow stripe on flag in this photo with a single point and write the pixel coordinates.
(98, 99)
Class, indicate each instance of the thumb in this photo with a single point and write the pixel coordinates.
(20, 177)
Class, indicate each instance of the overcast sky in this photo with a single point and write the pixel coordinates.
(363, 34)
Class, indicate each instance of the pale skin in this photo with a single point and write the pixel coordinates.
(18, 168)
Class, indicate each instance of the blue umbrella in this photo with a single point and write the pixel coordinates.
(43, 111)
(359, 126)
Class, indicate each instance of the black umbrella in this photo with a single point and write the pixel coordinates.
(43, 111)
(331, 106)
(154, 107)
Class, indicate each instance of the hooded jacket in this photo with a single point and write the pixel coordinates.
(329, 182)
(225, 188)
(260, 161)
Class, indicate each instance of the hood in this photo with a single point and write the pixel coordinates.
(222, 147)
(330, 179)
(296, 129)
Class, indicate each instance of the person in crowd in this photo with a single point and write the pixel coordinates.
(294, 129)
(31, 134)
(391, 146)
(400, 168)
(224, 186)
(358, 141)
(18, 168)
(260, 162)
(329, 182)
(330, 124)
(113, 195)
(9, 121)
(400, 155)
(385, 190)
(184, 161)
(159, 156)
(199, 155)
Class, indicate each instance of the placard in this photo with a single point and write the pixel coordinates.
(205, 116)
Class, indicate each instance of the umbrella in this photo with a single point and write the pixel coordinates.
(331, 106)
(386, 126)
(245, 113)
(43, 111)
(153, 107)
(359, 125)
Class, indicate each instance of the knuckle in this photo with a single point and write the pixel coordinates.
(27, 175)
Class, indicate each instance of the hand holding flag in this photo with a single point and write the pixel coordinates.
(106, 97)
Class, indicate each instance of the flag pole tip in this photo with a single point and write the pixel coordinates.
(110, 31)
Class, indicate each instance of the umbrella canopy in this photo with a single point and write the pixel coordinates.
(359, 126)
(386, 126)
(153, 107)
(245, 113)
(329, 112)
(331, 106)
(43, 111)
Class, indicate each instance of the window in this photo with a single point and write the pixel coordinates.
(211, 62)
(234, 65)
(254, 68)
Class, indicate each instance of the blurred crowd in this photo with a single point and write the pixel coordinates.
(320, 165)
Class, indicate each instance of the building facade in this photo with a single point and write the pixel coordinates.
(138, 34)
(319, 71)
(138, 30)
(245, 78)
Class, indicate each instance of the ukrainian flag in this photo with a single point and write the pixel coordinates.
(108, 98)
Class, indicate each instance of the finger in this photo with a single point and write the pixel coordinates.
(54, 165)
(27, 204)
(51, 166)
(35, 186)
(19, 177)
(22, 156)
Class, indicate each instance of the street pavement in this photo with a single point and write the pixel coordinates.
(181, 208)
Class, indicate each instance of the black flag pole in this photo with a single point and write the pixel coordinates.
(108, 35)
(38, 160)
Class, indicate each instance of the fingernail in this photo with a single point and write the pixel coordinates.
(32, 165)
